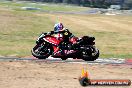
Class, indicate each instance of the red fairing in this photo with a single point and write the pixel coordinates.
(52, 40)
(73, 40)
(55, 48)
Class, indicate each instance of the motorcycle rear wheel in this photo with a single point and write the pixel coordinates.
(64, 58)
(91, 58)
(43, 53)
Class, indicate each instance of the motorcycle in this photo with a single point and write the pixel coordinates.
(84, 48)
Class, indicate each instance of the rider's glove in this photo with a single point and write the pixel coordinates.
(52, 32)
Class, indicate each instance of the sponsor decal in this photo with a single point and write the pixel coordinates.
(110, 82)
(85, 80)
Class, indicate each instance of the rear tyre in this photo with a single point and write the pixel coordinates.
(92, 57)
(63, 58)
(42, 51)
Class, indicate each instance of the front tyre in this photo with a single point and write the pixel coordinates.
(42, 51)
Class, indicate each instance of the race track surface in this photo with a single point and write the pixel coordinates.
(29, 72)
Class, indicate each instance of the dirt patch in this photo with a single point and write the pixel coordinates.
(32, 74)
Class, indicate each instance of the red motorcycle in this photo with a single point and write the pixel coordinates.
(83, 48)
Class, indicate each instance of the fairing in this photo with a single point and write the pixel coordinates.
(52, 40)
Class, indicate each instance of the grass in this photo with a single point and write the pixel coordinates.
(113, 33)
(42, 6)
(20, 29)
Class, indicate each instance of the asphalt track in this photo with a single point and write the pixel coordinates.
(70, 60)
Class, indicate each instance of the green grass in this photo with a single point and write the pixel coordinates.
(20, 29)
(42, 6)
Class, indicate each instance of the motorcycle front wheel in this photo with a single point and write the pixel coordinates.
(42, 51)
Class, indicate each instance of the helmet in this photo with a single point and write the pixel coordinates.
(58, 27)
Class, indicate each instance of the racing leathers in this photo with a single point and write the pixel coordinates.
(64, 36)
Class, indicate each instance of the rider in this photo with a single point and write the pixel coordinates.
(62, 34)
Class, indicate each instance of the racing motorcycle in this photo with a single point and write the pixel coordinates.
(83, 48)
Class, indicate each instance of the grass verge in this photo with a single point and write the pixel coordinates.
(20, 29)
(42, 6)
